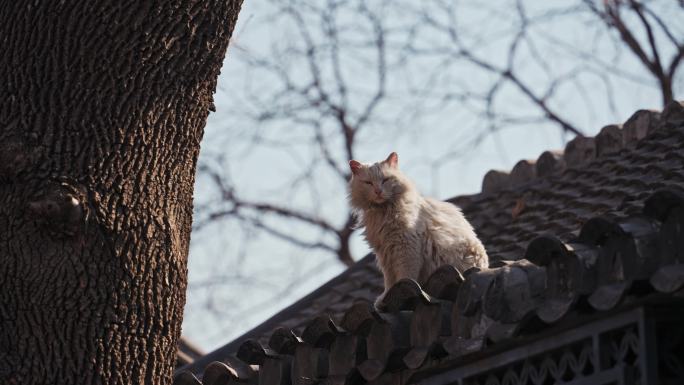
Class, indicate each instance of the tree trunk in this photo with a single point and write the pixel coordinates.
(102, 108)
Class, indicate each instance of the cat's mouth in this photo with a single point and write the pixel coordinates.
(379, 200)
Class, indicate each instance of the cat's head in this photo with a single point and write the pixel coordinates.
(376, 184)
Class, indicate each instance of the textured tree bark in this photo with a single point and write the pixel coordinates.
(102, 108)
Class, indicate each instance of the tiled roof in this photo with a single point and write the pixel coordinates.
(363, 281)
(559, 203)
(597, 229)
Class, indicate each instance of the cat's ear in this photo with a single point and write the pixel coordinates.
(392, 160)
(355, 166)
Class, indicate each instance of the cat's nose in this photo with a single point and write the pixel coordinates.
(378, 192)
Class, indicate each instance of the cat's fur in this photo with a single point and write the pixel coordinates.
(411, 235)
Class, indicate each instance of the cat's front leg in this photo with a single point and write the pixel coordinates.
(404, 263)
(407, 262)
(389, 279)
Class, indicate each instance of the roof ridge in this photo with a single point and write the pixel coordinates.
(580, 150)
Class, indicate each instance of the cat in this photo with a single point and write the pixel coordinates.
(411, 235)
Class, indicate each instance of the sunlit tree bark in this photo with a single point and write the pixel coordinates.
(102, 108)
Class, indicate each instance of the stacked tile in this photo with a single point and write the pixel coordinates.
(495, 180)
(667, 208)
(549, 163)
(614, 182)
(231, 372)
(581, 150)
(454, 315)
(610, 260)
(609, 140)
(374, 337)
(523, 172)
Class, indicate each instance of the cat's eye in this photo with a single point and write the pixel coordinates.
(385, 180)
(367, 182)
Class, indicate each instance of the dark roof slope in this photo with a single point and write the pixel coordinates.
(559, 203)
(363, 281)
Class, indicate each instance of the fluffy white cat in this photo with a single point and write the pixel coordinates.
(411, 235)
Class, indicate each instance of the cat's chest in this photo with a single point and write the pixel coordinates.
(383, 227)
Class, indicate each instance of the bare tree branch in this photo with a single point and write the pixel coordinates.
(611, 15)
